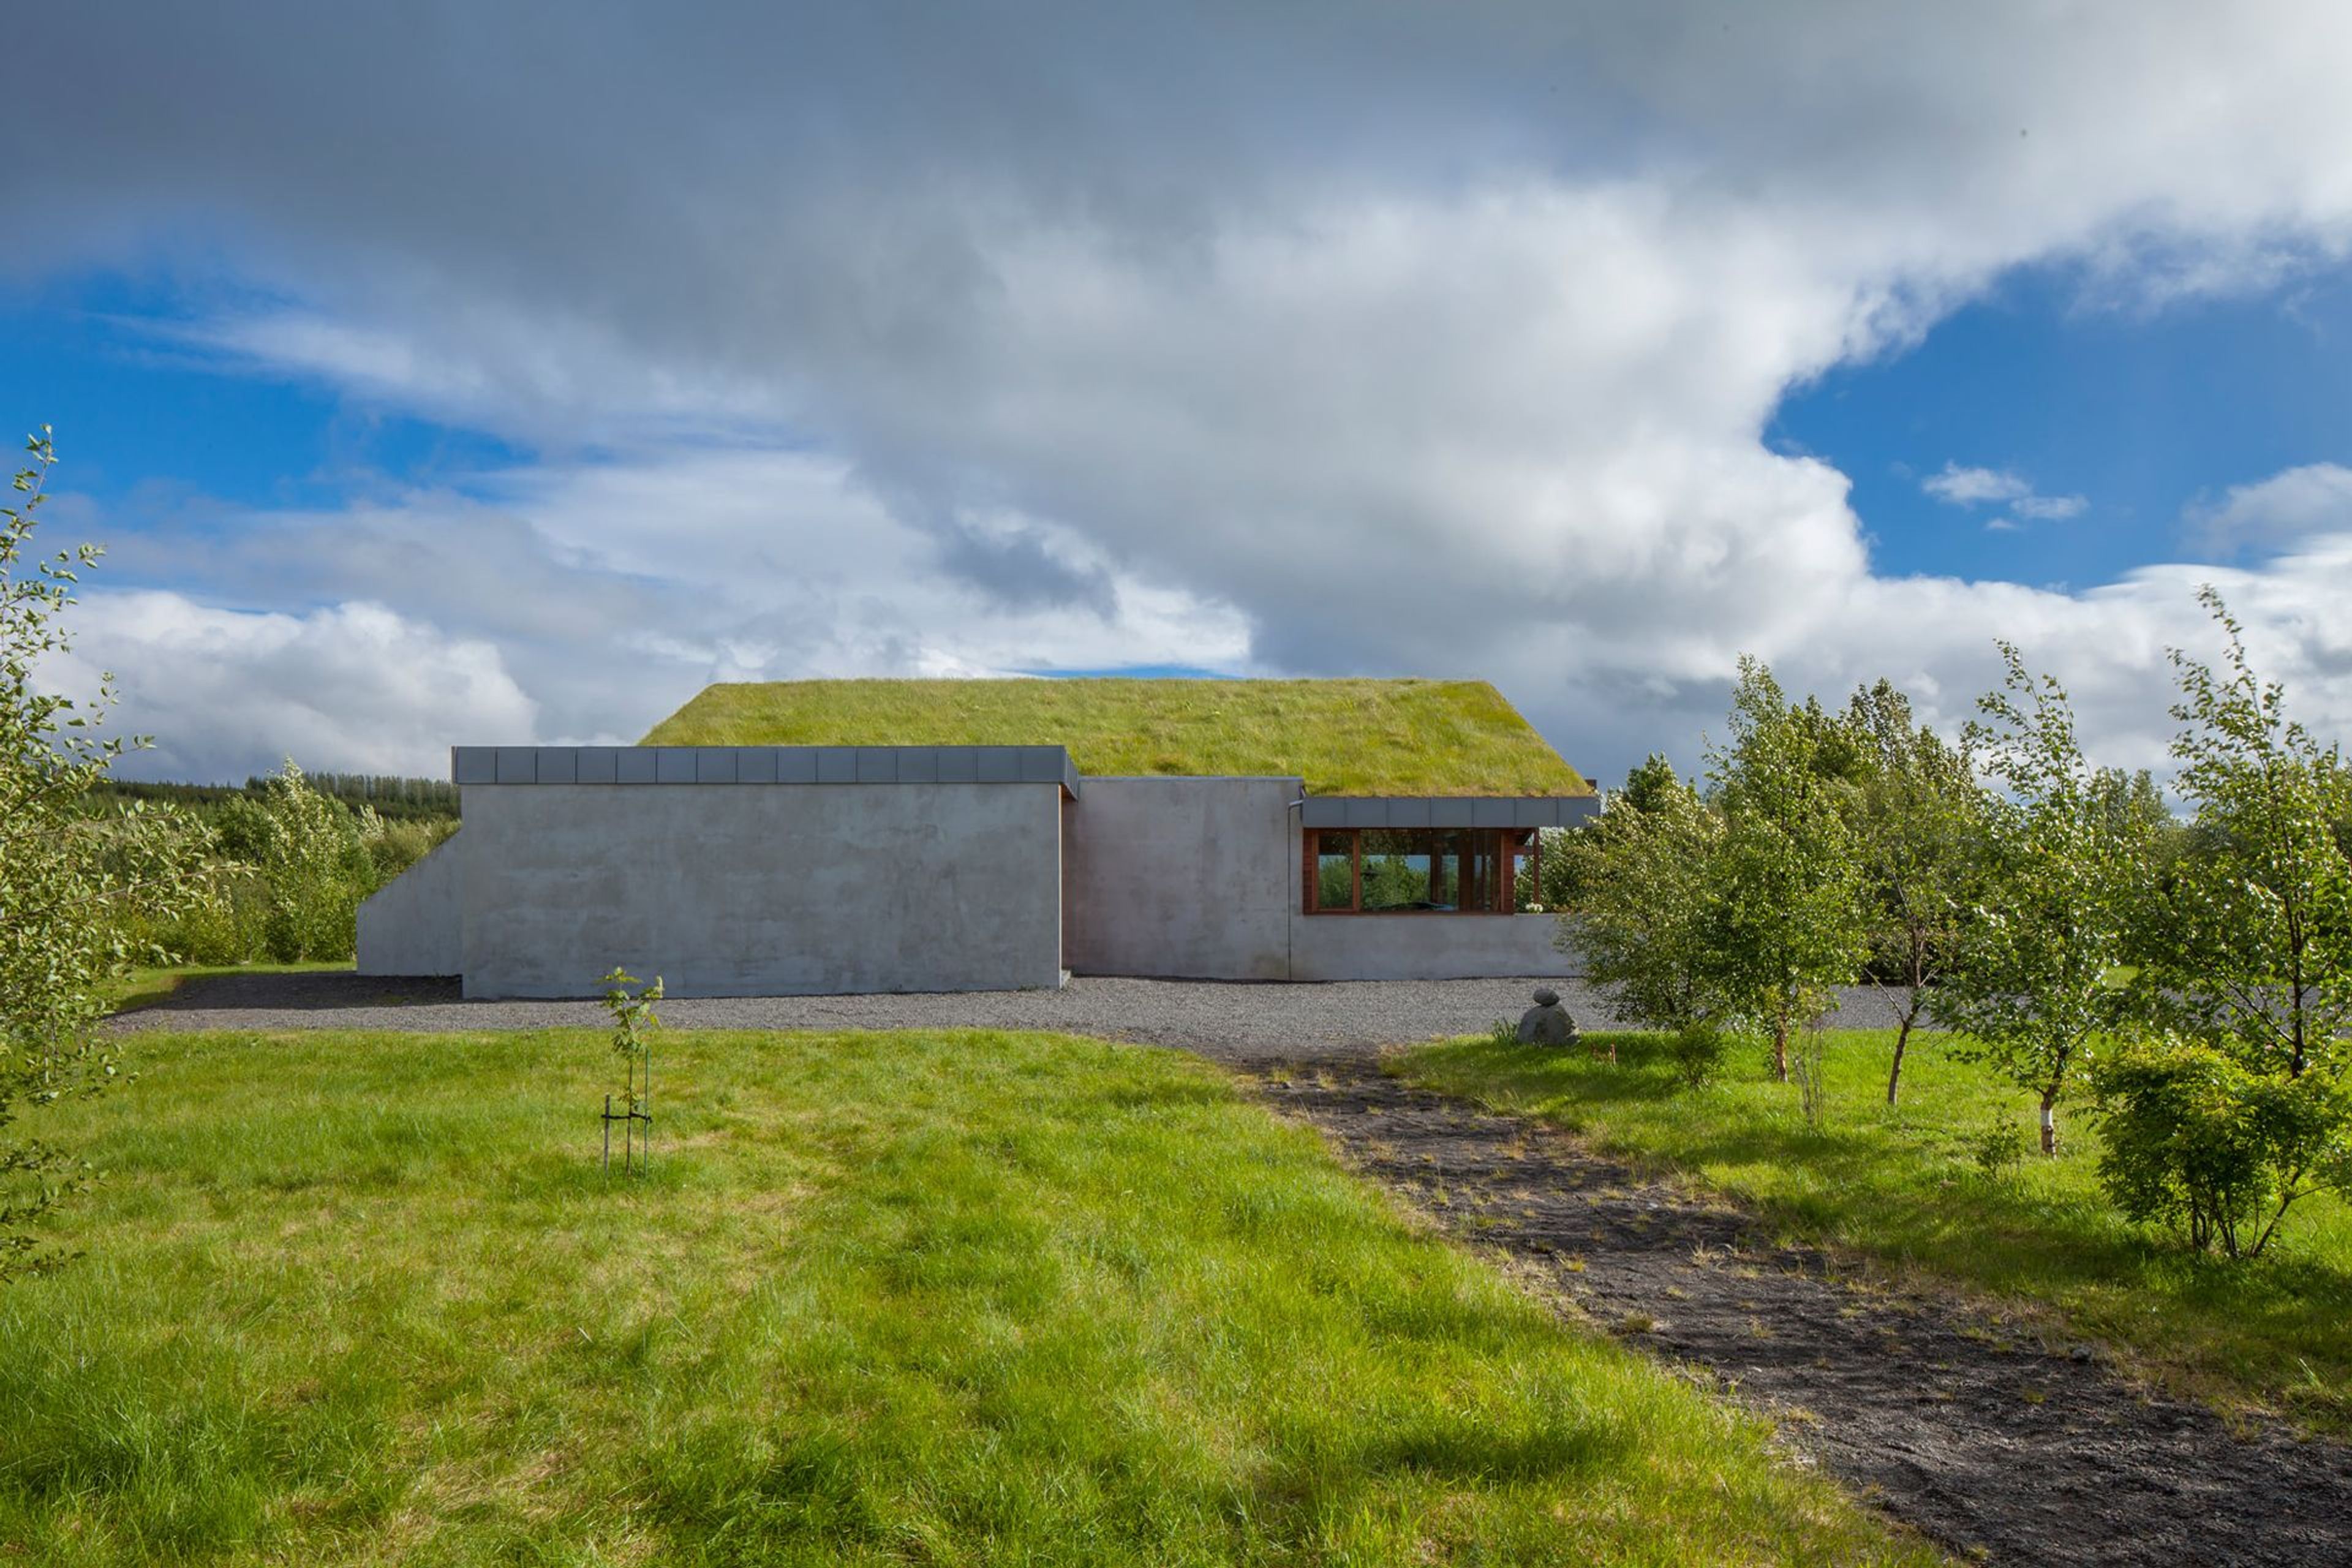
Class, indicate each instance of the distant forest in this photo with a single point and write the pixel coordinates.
(394, 799)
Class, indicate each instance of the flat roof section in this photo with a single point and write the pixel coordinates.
(762, 766)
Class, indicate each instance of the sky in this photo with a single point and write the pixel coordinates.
(459, 373)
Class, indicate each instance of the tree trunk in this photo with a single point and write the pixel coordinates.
(1781, 1048)
(1901, 1038)
(2050, 1120)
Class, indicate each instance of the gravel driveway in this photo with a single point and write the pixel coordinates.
(1233, 1021)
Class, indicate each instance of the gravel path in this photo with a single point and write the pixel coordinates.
(1243, 1024)
(1974, 1432)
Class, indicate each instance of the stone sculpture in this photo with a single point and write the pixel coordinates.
(1546, 1023)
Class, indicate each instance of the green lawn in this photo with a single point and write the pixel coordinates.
(911, 1298)
(1344, 737)
(1904, 1186)
(147, 985)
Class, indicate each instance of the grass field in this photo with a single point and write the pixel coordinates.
(915, 1298)
(1904, 1187)
(1344, 737)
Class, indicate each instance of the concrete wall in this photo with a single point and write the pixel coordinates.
(765, 890)
(1182, 877)
(1424, 947)
(775, 890)
(411, 924)
(1198, 879)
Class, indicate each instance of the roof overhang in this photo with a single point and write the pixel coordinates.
(1445, 811)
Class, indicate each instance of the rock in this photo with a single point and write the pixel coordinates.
(1546, 1023)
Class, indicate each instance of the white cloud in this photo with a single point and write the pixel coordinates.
(1968, 487)
(610, 590)
(1397, 341)
(1975, 487)
(2296, 503)
(229, 692)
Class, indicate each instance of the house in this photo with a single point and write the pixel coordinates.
(866, 836)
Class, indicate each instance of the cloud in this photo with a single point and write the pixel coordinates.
(226, 693)
(2293, 504)
(1315, 340)
(1976, 487)
(610, 590)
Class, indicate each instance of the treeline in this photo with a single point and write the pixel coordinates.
(2191, 979)
(279, 868)
(388, 795)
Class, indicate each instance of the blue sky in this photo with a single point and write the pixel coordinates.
(150, 419)
(470, 375)
(2141, 411)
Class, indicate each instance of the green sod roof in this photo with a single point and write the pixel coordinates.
(1343, 737)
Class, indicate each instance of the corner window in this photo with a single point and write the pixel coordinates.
(1398, 871)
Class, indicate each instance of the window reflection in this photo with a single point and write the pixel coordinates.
(1387, 871)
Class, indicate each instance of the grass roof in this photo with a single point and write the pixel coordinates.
(1344, 737)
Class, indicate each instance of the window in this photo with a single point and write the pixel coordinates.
(1396, 870)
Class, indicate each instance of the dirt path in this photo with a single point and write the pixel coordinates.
(1978, 1437)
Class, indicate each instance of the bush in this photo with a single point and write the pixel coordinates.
(2196, 1142)
(1696, 1053)
(1998, 1147)
(222, 924)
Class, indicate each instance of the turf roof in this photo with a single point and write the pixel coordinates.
(1344, 737)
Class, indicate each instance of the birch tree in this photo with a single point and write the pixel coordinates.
(1918, 822)
(1643, 868)
(74, 883)
(1783, 925)
(2043, 971)
(2257, 954)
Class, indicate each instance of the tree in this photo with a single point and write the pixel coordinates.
(1565, 869)
(2241, 1107)
(315, 869)
(74, 883)
(2042, 971)
(1918, 822)
(1643, 869)
(2256, 955)
(1783, 923)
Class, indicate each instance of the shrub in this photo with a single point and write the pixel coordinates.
(1696, 1052)
(2197, 1141)
(311, 862)
(1998, 1147)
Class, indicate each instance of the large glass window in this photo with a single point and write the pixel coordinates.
(1385, 871)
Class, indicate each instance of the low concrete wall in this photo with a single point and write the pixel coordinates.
(743, 890)
(1424, 947)
(1183, 877)
(412, 924)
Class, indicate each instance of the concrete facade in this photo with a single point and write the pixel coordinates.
(1198, 879)
(1426, 947)
(748, 891)
(412, 924)
(1182, 876)
(783, 871)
